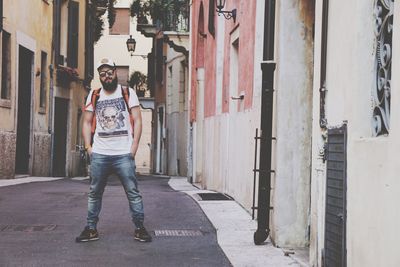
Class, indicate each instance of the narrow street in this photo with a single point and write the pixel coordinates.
(39, 223)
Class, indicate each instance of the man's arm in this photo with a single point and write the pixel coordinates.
(137, 129)
(87, 130)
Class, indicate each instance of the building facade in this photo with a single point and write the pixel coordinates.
(168, 80)
(355, 129)
(43, 86)
(315, 78)
(251, 81)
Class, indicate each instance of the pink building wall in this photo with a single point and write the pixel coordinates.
(204, 54)
(245, 22)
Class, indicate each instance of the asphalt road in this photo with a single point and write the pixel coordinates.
(39, 223)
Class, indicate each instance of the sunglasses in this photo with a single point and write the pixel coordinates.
(103, 74)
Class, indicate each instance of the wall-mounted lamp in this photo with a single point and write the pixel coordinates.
(131, 45)
(227, 14)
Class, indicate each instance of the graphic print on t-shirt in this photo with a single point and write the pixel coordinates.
(111, 120)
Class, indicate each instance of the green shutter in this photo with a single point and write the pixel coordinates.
(73, 29)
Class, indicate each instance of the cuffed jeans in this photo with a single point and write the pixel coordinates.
(124, 167)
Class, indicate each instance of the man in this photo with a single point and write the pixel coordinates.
(114, 148)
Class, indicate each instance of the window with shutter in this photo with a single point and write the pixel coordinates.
(43, 80)
(159, 60)
(122, 21)
(57, 35)
(89, 45)
(211, 14)
(6, 66)
(73, 29)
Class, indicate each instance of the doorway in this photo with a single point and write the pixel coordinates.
(60, 136)
(25, 73)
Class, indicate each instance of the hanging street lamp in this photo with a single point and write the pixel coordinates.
(227, 14)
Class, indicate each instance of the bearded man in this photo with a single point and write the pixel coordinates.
(114, 148)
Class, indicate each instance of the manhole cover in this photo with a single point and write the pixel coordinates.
(177, 233)
(27, 228)
(214, 196)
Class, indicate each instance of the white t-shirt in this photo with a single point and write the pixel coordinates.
(113, 135)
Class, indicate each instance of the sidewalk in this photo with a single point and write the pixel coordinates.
(235, 230)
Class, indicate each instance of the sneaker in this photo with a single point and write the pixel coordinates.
(88, 235)
(142, 235)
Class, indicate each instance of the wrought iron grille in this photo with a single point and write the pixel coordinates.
(383, 14)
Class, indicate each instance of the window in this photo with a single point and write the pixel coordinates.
(170, 94)
(159, 60)
(6, 66)
(211, 14)
(182, 86)
(122, 21)
(43, 80)
(123, 75)
(73, 30)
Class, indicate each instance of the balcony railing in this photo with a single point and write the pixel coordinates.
(177, 19)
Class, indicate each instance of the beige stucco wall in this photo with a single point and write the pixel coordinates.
(176, 110)
(76, 91)
(34, 33)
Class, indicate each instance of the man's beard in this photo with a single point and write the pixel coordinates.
(110, 86)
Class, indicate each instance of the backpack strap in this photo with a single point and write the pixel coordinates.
(125, 94)
(95, 97)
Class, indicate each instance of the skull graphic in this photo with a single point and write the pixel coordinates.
(110, 116)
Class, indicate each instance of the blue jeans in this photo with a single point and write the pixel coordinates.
(124, 167)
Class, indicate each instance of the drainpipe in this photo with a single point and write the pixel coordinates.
(323, 122)
(50, 123)
(265, 172)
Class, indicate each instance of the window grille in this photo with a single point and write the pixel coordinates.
(383, 13)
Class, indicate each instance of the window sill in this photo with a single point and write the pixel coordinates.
(5, 103)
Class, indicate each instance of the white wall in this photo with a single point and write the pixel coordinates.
(372, 166)
(292, 123)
